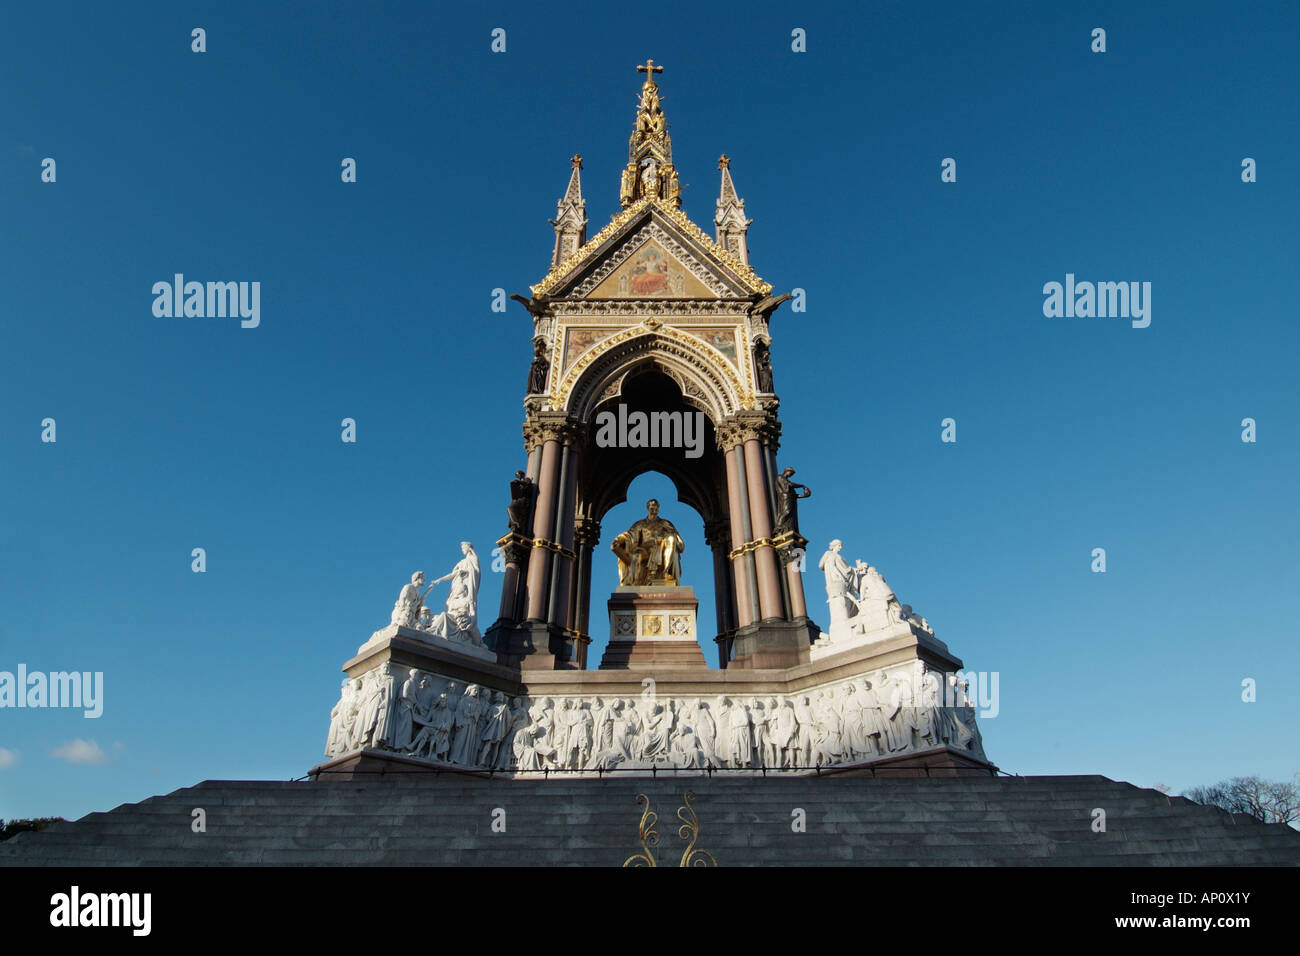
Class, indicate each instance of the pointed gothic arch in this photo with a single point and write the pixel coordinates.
(697, 370)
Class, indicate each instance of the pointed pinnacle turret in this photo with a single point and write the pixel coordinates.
(730, 219)
(570, 220)
(650, 172)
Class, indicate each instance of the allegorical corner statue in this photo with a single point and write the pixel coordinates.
(459, 621)
(649, 552)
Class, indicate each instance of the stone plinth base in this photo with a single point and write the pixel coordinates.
(466, 647)
(370, 764)
(653, 627)
(896, 706)
(939, 762)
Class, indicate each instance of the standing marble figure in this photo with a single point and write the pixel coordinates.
(460, 620)
(840, 581)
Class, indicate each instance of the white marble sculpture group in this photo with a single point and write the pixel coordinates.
(861, 603)
(421, 714)
(458, 621)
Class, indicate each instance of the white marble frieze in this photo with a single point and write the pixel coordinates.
(883, 713)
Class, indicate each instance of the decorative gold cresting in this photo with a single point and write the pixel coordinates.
(650, 173)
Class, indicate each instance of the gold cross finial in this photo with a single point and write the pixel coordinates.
(649, 70)
(576, 161)
(724, 161)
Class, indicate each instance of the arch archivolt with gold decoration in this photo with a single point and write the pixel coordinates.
(706, 379)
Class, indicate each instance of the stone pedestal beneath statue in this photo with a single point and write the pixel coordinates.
(653, 626)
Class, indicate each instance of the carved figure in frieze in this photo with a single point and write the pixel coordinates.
(806, 730)
(403, 726)
(434, 738)
(615, 748)
(421, 711)
(830, 744)
(698, 716)
(636, 729)
(873, 719)
(772, 717)
(545, 740)
(654, 732)
(686, 750)
(519, 720)
(357, 725)
(930, 724)
(336, 740)
(584, 724)
(742, 739)
(376, 703)
(854, 722)
(898, 715)
(966, 731)
(758, 721)
(603, 723)
(495, 728)
(785, 735)
(465, 733)
(722, 742)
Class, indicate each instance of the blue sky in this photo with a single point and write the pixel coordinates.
(924, 302)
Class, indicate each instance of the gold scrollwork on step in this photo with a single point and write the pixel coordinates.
(689, 831)
(647, 834)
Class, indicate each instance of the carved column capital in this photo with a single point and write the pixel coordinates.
(586, 533)
(746, 426)
(717, 534)
(790, 545)
(544, 426)
(516, 548)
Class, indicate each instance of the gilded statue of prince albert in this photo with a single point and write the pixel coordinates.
(649, 552)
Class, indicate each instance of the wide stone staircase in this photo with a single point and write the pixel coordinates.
(448, 820)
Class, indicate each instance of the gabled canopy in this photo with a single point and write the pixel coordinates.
(651, 250)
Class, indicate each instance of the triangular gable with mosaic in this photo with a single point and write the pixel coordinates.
(652, 251)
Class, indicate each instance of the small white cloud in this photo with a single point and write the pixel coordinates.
(7, 758)
(82, 751)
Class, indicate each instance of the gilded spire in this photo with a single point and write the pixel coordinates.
(730, 219)
(570, 220)
(650, 172)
